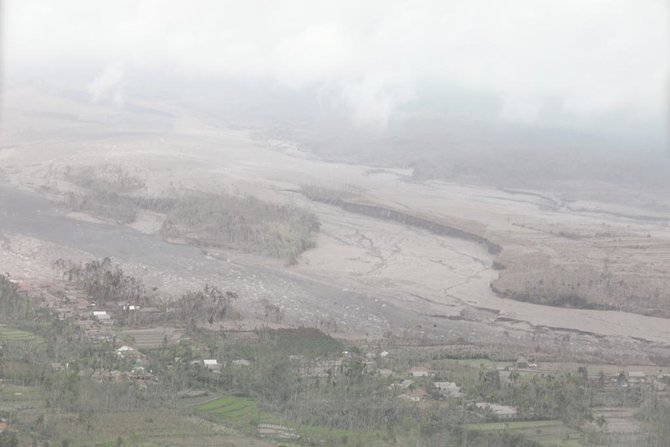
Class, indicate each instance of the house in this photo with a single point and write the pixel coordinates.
(522, 363)
(102, 316)
(501, 411)
(123, 350)
(129, 353)
(57, 366)
(419, 371)
(130, 307)
(105, 319)
(139, 370)
(321, 368)
(385, 372)
(211, 364)
(659, 386)
(635, 377)
(384, 354)
(404, 384)
(414, 395)
(448, 389)
(241, 362)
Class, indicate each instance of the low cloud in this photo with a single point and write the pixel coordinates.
(373, 99)
(584, 59)
(108, 86)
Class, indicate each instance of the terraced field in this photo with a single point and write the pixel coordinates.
(153, 428)
(15, 397)
(548, 433)
(8, 334)
(150, 338)
(243, 415)
(240, 413)
(305, 341)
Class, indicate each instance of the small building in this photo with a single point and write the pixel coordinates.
(129, 353)
(636, 377)
(101, 316)
(321, 368)
(659, 386)
(241, 362)
(211, 364)
(448, 389)
(385, 372)
(404, 385)
(500, 411)
(415, 395)
(419, 371)
(130, 307)
(57, 366)
(522, 363)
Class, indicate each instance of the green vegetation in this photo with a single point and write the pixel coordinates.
(110, 178)
(107, 205)
(242, 223)
(562, 396)
(513, 425)
(152, 427)
(237, 412)
(295, 386)
(546, 433)
(102, 280)
(304, 341)
(221, 220)
(17, 335)
(104, 190)
(585, 286)
(210, 304)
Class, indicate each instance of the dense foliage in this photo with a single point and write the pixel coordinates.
(103, 281)
(242, 223)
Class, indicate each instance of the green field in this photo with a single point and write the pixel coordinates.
(17, 397)
(551, 433)
(240, 413)
(243, 414)
(513, 425)
(9, 392)
(147, 428)
(304, 341)
(16, 335)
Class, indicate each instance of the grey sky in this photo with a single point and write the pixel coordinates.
(590, 61)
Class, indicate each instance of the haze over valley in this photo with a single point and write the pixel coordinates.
(324, 210)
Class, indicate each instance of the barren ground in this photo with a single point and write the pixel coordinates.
(368, 275)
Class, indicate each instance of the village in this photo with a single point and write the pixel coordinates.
(131, 340)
